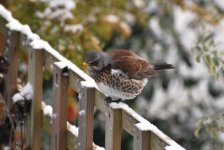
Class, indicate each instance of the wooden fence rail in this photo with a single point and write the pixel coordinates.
(63, 135)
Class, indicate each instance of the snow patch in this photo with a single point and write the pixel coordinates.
(99, 148)
(5, 13)
(219, 3)
(173, 147)
(17, 97)
(26, 93)
(88, 84)
(82, 112)
(47, 110)
(73, 129)
(73, 28)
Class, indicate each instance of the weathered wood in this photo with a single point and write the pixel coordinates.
(3, 22)
(60, 86)
(142, 139)
(157, 142)
(2, 34)
(128, 122)
(24, 42)
(35, 77)
(86, 117)
(113, 129)
(3, 112)
(100, 102)
(49, 61)
(74, 81)
(11, 55)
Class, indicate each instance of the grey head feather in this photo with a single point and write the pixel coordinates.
(97, 60)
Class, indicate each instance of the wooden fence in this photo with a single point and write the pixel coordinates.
(15, 37)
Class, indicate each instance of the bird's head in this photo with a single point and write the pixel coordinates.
(97, 60)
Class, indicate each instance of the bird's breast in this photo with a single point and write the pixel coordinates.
(117, 85)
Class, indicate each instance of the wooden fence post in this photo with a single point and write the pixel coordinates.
(86, 116)
(142, 139)
(35, 77)
(60, 86)
(11, 54)
(113, 129)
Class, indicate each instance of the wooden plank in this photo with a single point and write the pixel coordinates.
(86, 117)
(49, 61)
(113, 129)
(35, 77)
(60, 86)
(24, 42)
(3, 22)
(157, 143)
(11, 55)
(2, 34)
(128, 122)
(100, 102)
(74, 81)
(142, 139)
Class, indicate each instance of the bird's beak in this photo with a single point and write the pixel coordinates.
(85, 65)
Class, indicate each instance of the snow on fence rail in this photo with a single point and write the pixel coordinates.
(64, 135)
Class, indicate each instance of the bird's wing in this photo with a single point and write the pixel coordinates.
(131, 64)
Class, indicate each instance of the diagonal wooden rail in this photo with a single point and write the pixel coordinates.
(63, 135)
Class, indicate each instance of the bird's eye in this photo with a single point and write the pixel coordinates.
(94, 63)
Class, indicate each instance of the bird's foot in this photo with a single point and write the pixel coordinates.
(109, 100)
(116, 101)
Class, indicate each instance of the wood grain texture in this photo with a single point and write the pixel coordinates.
(35, 77)
(60, 86)
(86, 118)
(141, 139)
(113, 129)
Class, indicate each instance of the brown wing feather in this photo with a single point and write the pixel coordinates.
(131, 64)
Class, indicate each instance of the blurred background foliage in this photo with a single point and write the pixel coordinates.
(186, 103)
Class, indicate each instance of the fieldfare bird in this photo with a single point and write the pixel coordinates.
(121, 74)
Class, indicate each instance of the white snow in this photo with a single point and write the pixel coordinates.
(154, 24)
(220, 4)
(60, 64)
(111, 19)
(73, 129)
(73, 28)
(182, 23)
(88, 84)
(26, 93)
(173, 147)
(5, 13)
(47, 110)
(68, 4)
(139, 3)
(58, 9)
(99, 148)
(27, 31)
(17, 97)
(82, 112)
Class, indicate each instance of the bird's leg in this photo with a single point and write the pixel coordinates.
(116, 101)
(108, 100)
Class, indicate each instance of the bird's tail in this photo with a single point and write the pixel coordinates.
(162, 66)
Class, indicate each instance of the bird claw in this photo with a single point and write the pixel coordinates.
(109, 100)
